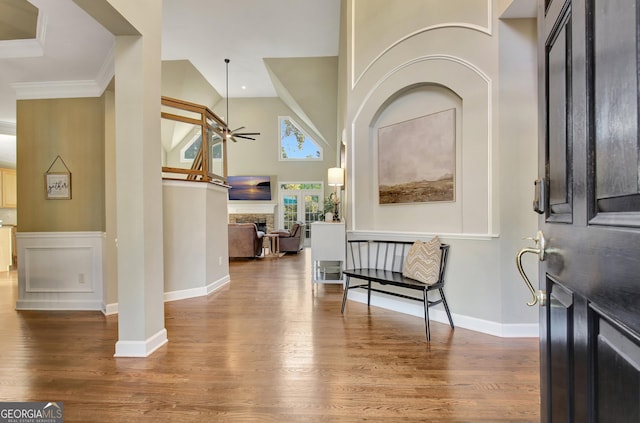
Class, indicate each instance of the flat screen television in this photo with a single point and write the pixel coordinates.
(249, 188)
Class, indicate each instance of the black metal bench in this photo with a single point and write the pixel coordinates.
(382, 262)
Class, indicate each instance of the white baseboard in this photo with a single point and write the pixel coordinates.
(197, 292)
(214, 286)
(109, 309)
(141, 348)
(523, 330)
(77, 305)
(183, 294)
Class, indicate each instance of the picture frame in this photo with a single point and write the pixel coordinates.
(417, 160)
(57, 185)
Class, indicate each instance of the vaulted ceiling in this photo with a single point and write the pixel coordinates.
(52, 48)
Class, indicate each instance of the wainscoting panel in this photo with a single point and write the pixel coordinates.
(60, 270)
(65, 269)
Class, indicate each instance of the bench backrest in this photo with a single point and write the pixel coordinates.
(386, 255)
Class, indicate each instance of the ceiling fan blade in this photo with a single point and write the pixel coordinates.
(244, 137)
(237, 129)
(248, 133)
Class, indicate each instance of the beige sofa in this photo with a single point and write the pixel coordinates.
(244, 240)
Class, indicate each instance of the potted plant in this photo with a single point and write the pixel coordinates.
(330, 207)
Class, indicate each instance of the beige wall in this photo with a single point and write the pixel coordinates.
(261, 157)
(427, 56)
(181, 80)
(74, 129)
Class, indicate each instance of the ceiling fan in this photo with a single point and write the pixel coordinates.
(233, 134)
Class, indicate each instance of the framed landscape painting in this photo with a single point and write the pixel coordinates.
(417, 159)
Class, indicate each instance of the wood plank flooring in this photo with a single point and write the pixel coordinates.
(268, 347)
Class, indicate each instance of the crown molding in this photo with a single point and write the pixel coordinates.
(108, 68)
(69, 89)
(56, 89)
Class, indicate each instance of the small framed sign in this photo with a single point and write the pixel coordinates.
(58, 185)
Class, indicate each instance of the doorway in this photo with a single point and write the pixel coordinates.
(300, 202)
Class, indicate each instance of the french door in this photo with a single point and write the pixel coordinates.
(300, 202)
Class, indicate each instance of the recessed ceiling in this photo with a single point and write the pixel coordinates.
(18, 20)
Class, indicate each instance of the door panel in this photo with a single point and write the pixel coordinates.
(617, 373)
(559, 117)
(615, 106)
(589, 156)
(561, 353)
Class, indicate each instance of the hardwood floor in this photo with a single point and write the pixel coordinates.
(268, 347)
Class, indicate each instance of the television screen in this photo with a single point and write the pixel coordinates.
(249, 187)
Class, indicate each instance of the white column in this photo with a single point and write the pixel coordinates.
(139, 200)
(138, 29)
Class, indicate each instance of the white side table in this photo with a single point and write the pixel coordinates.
(328, 251)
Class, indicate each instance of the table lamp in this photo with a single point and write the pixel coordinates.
(335, 178)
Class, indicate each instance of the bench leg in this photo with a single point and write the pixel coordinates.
(426, 315)
(446, 307)
(368, 293)
(344, 296)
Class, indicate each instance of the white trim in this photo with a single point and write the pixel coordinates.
(85, 288)
(214, 286)
(78, 305)
(141, 348)
(34, 47)
(214, 185)
(108, 68)
(488, 30)
(196, 292)
(519, 330)
(56, 89)
(110, 309)
(184, 294)
(58, 235)
(7, 128)
(404, 236)
(489, 111)
(251, 208)
(79, 258)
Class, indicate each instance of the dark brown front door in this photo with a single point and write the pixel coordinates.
(589, 159)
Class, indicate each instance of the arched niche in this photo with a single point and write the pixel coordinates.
(420, 87)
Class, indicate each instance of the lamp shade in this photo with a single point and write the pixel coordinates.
(335, 177)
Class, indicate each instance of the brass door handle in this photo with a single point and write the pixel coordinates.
(539, 250)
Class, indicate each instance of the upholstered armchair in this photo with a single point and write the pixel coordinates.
(291, 241)
(245, 240)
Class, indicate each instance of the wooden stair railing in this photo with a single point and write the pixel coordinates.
(209, 123)
(197, 166)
